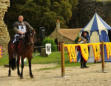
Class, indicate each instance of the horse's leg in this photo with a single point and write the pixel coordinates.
(9, 72)
(18, 71)
(22, 66)
(30, 70)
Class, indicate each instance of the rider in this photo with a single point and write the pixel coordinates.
(20, 28)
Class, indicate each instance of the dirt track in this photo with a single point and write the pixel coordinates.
(75, 76)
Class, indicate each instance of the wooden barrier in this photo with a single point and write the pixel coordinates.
(63, 58)
(102, 56)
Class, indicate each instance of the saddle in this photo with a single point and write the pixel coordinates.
(17, 43)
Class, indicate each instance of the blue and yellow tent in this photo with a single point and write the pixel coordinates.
(98, 31)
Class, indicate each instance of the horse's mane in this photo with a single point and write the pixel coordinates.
(27, 35)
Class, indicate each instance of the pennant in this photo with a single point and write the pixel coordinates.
(84, 51)
(97, 52)
(72, 53)
(0, 52)
(108, 49)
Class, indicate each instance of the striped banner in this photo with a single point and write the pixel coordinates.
(0, 52)
(72, 53)
(85, 52)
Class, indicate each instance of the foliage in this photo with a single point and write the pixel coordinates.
(72, 13)
(39, 13)
(87, 10)
(53, 44)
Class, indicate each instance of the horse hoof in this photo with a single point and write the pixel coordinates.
(31, 76)
(18, 74)
(21, 77)
(9, 75)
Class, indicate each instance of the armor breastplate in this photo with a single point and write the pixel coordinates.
(22, 28)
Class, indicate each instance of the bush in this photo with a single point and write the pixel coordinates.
(53, 44)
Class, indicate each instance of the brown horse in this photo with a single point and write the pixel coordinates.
(23, 49)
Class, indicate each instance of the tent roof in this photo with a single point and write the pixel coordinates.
(96, 24)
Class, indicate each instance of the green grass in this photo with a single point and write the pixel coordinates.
(4, 60)
(48, 68)
(55, 58)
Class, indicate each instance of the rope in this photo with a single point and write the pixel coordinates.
(43, 46)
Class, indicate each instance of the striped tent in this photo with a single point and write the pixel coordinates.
(96, 24)
(98, 31)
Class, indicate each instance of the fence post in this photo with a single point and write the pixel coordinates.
(102, 56)
(62, 60)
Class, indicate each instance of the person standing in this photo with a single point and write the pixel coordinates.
(109, 35)
(83, 39)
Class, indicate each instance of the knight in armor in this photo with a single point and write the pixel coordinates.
(20, 28)
(83, 39)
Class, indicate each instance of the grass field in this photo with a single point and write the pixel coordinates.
(54, 58)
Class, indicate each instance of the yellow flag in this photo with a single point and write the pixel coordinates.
(96, 50)
(0, 52)
(84, 51)
(72, 53)
(108, 49)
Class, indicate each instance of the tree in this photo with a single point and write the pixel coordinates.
(40, 13)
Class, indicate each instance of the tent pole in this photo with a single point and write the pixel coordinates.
(102, 56)
(62, 60)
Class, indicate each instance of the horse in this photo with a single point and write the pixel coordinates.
(24, 49)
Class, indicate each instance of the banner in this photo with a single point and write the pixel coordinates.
(0, 52)
(48, 48)
(97, 52)
(108, 49)
(72, 53)
(84, 51)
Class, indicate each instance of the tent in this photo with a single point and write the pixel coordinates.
(98, 31)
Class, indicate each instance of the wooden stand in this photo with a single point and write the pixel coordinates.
(62, 60)
(102, 56)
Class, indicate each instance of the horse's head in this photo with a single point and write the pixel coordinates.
(30, 37)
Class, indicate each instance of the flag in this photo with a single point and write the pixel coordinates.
(84, 51)
(0, 52)
(96, 50)
(108, 49)
(72, 53)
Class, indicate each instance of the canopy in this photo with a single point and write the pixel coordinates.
(96, 24)
(98, 31)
